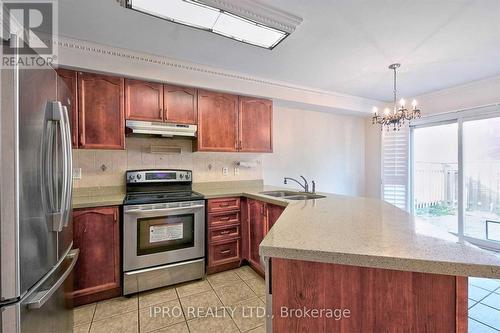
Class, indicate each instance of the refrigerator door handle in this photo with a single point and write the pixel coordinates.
(69, 166)
(58, 217)
(41, 297)
(48, 166)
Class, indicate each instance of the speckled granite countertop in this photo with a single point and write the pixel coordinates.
(372, 233)
(346, 230)
(363, 232)
(97, 197)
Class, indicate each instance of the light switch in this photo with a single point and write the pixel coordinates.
(77, 173)
(225, 171)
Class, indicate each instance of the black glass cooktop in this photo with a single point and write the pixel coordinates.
(160, 197)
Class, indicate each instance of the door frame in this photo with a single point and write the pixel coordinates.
(458, 117)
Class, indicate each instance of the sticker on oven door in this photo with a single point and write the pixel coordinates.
(162, 233)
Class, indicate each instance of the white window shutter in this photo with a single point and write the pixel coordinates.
(395, 166)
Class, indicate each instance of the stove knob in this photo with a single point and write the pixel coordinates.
(139, 176)
(188, 176)
(182, 175)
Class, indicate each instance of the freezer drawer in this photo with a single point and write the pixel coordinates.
(46, 309)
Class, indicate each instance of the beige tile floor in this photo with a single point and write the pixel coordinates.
(231, 301)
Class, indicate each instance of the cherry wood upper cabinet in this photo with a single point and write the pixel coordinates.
(67, 95)
(101, 110)
(256, 230)
(143, 100)
(255, 125)
(179, 104)
(97, 272)
(217, 121)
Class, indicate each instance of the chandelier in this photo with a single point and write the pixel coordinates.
(399, 114)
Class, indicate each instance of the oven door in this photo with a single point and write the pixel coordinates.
(159, 234)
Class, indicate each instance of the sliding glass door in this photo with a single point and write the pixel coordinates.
(481, 164)
(435, 177)
(455, 174)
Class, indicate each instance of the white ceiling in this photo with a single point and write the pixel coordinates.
(342, 45)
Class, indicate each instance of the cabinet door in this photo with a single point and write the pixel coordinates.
(143, 100)
(273, 213)
(256, 229)
(97, 272)
(67, 95)
(217, 121)
(256, 125)
(102, 116)
(180, 104)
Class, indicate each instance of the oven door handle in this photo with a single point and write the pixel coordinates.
(162, 209)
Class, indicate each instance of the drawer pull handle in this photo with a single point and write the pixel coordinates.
(224, 218)
(225, 232)
(224, 204)
(225, 252)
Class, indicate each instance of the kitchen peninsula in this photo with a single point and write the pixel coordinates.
(365, 255)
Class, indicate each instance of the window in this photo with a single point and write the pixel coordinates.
(395, 167)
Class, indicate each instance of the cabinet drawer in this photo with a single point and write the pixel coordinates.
(223, 205)
(224, 252)
(224, 234)
(215, 220)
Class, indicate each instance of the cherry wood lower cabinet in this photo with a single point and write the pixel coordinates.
(273, 214)
(236, 227)
(97, 272)
(224, 237)
(257, 229)
(101, 110)
(365, 299)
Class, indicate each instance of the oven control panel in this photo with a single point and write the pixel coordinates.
(159, 176)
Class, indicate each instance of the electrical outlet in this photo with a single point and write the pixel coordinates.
(236, 171)
(225, 171)
(77, 173)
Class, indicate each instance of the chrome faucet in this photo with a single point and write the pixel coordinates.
(305, 186)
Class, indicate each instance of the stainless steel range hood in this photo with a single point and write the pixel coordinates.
(161, 129)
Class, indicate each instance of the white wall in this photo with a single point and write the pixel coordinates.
(324, 147)
(373, 165)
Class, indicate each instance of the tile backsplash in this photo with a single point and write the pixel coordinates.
(107, 167)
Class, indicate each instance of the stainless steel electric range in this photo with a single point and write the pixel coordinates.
(163, 231)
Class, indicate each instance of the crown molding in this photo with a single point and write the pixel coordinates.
(96, 57)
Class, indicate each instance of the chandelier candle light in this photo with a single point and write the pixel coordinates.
(399, 113)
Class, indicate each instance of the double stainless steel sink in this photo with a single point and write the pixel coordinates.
(292, 195)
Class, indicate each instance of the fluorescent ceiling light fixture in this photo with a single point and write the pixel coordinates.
(202, 16)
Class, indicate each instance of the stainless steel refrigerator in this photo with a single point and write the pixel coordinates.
(36, 254)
